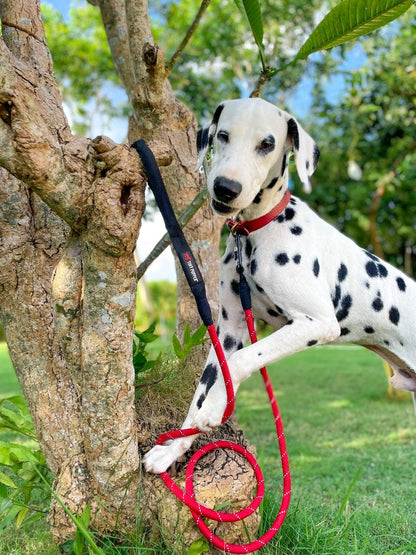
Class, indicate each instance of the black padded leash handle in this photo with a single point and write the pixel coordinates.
(186, 258)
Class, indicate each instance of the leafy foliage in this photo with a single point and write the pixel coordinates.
(141, 340)
(198, 547)
(372, 125)
(78, 545)
(89, 84)
(23, 496)
(189, 341)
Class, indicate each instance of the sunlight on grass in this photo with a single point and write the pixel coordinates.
(339, 404)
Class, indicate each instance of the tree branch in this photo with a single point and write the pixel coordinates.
(113, 13)
(202, 9)
(261, 83)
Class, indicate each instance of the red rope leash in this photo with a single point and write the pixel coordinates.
(188, 496)
(196, 283)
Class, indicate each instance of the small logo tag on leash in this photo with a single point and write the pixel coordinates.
(190, 266)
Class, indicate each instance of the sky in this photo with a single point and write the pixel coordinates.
(152, 230)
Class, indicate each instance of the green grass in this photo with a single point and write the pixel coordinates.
(341, 431)
(338, 421)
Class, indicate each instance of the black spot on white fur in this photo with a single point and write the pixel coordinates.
(289, 214)
(342, 272)
(229, 343)
(377, 304)
(200, 400)
(273, 313)
(316, 267)
(235, 287)
(257, 198)
(249, 248)
(394, 315)
(228, 258)
(401, 284)
(346, 303)
(209, 376)
(293, 132)
(296, 230)
(374, 269)
(259, 289)
(282, 258)
(337, 296)
(272, 183)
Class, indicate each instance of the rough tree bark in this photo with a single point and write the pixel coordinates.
(70, 213)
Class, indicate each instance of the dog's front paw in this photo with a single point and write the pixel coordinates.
(160, 457)
(207, 422)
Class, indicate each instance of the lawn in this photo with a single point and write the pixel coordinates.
(352, 453)
(338, 422)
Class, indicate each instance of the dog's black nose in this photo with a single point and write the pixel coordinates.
(226, 189)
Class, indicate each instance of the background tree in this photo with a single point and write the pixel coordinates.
(373, 127)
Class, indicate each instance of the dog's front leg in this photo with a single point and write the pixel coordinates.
(160, 457)
(205, 412)
(298, 334)
(210, 399)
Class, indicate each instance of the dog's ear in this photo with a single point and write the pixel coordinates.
(305, 151)
(205, 137)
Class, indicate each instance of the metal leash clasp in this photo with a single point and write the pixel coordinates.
(238, 257)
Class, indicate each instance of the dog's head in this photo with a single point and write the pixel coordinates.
(251, 141)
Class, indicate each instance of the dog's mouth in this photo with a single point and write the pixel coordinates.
(221, 208)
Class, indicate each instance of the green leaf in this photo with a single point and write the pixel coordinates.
(14, 415)
(20, 516)
(19, 403)
(14, 452)
(251, 8)
(253, 11)
(349, 20)
(84, 519)
(147, 337)
(177, 347)
(198, 547)
(66, 547)
(4, 479)
(198, 335)
(187, 336)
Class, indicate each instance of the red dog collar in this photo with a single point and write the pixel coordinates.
(247, 227)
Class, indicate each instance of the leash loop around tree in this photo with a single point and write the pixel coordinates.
(197, 286)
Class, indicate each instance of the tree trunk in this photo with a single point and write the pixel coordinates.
(70, 213)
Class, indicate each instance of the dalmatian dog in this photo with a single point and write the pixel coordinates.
(312, 284)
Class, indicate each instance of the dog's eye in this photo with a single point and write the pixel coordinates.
(223, 136)
(267, 145)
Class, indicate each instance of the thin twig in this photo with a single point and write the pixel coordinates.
(183, 219)
(261, 83)
(203, 7)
